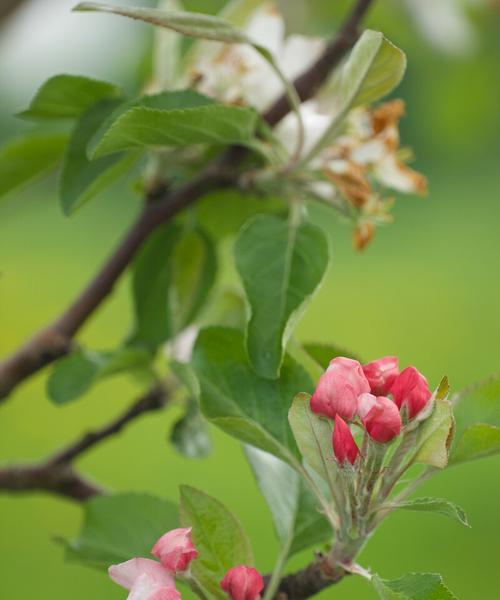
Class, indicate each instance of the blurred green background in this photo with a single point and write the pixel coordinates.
(427, 289)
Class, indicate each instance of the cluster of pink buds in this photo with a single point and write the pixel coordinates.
(351, 392)
(148, 579)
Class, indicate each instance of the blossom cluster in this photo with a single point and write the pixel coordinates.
(148, 579)
(356, 169)
(349, 392)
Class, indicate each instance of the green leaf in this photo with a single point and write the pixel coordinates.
(75, 374)
(192, 24)
(120, 526)
(25, 157)
(313, 435)
(324, 353)
(68, 96)
(172, 276)
(436, 505)
(208, 27)
(293, 508)
(477, 441)
(477, 413)
(177, 99)
(189, 434)
(281, 266)
(374, 68)
(435, 434)
(414, 586)
(218, 537)
(236, 399)
(81, 178)
(143, 127)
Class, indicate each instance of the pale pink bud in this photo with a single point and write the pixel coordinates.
(146, 579)
(344, 446)
(411, 389)
(338, 389)
(175, 549)
(381, 374)
(243, 583)
(380, 417)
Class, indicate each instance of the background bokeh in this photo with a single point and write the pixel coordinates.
(427, 289)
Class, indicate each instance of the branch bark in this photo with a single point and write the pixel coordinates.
(57, 475)
(8, 7)
(55, 340)
(309, 581)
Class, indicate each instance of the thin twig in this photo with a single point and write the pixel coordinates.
(55, 340)
(57, 475)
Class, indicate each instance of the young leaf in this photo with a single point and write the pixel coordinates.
(434, 437)
(313, 435)
(173, 273)
(414, 586)
(477, 411)
(189, 434)
(25, 157)
(294, 509)
(151, 128)
(477, 441)
(177, 99)
(374, 68)
(234, 398)
(81, 179)
(217, 535)
(120, 526)
(68, 96)
(74, 374)
(281, 266)
(438, 506)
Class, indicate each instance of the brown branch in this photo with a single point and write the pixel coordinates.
(309, 581)
(57, 475)
(8, 7)
(56, 340)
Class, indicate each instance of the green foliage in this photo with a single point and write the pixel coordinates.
(142, 127)
(313, 435)
(237, 400)
(75, 374)
(478, 422)
(434, 438)
(436, 505)
(172, 276)
(189, 434)
(281, 265)
(119, 527)
(25, 157)
(294, 509)
(374, 68)
(218, 537)
(477, 441)
(81, 178)
(68, 96)
(414, 586)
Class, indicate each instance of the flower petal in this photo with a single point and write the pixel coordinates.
(127, 573)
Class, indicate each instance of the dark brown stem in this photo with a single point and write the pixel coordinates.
(57, 476)
(8, 7)
(309, 581)
(55, 340)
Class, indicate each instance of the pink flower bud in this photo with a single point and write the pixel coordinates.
(243, 583)
(338, 389)
(380, 417)
(411, 389)
(381, 374)
(344, 446)
(145, 578)
(175, 549)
